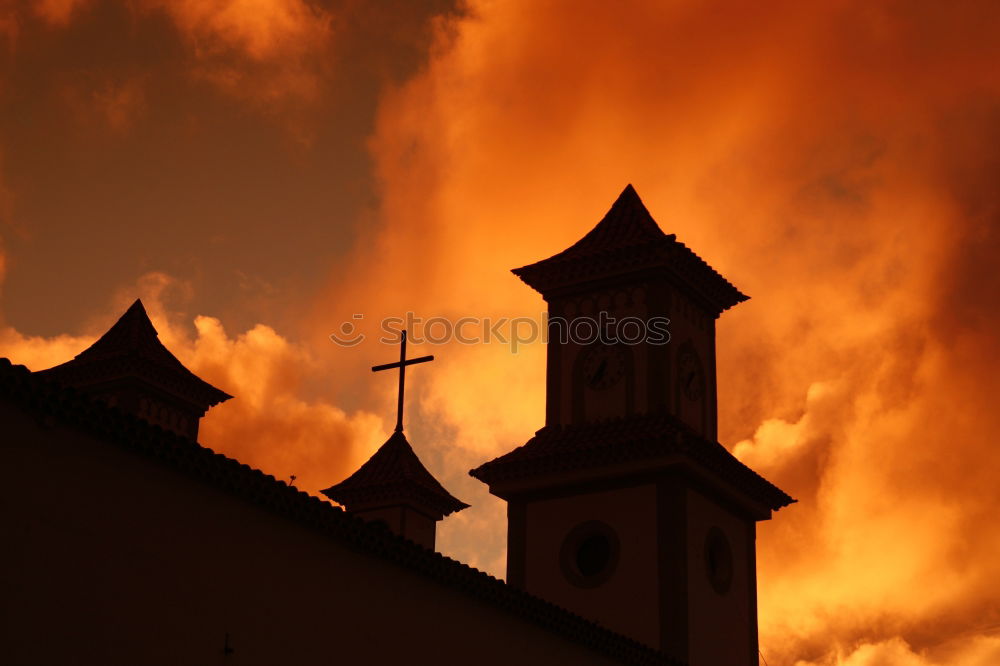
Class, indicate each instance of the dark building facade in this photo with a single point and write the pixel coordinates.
(630, 529)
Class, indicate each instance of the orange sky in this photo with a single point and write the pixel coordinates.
(260, 170)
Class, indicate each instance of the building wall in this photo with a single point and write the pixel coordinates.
(627, 602)
(693, 330)
(722, 626)
(112, 558)
(404, 521)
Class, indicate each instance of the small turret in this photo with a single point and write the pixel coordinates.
(129, 368)
(394, 487)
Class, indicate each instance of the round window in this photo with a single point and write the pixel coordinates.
(589, 554)
(718, 560)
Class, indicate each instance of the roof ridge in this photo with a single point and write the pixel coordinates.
(53, 402)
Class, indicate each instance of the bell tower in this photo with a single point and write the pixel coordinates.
(624, 508)
(631, 323)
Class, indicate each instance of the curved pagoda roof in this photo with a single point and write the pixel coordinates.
(395, 476)
(131, 349)
(627, 240)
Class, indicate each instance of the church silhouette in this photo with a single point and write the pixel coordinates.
(630, 534)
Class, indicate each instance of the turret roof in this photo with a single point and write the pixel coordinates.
(628, 240)
(394, 475)
(132, 348)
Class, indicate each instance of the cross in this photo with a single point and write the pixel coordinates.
(401, 364)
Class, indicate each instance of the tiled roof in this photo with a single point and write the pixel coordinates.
(394, 475)
(132, 348)
(54, 404)
(628, 240)
(628, 223)
(628, 439)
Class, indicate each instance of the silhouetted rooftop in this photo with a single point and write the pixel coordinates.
(132, 348)
(556, 449)
(628, 240)
(67, 407)
(394, 475)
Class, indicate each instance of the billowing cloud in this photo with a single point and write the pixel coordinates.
(979, 651)
(271, 52)
(835, 160)
(260, 29)
(838, 162)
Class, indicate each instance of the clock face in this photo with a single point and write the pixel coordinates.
(691, 379)
(603, 366)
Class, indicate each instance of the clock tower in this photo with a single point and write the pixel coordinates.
(624, 508)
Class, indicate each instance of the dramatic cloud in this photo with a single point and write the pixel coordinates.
(837, 161)
(261, 29)
(222, 142)
(266, 51)
(275, 54)
(978, 651)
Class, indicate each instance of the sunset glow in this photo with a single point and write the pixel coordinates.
(260, 171)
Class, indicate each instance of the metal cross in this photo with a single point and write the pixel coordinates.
(401, 364)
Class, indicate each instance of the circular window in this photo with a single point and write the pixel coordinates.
(589, 554)
(718, 560)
